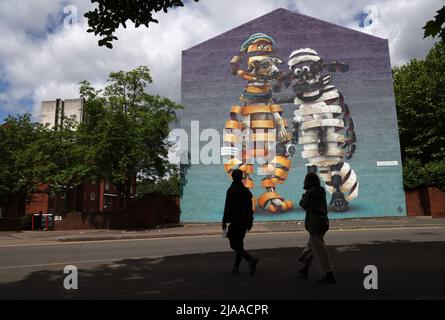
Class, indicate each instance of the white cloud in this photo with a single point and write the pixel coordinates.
(25, 15)
(401, 23)
(51, 65)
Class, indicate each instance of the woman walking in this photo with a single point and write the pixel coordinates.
(317, 224)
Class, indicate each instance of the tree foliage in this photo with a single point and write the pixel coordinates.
(126, 130)
(419, 88)
(16, 134)
(33, 154)
(172, 185)
(435, 27)
(50, 158)
(416, 175)
(107, 17)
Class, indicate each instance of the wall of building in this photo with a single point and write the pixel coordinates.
(428, 201)
(10, 214)
(14, 209)
(73, 108)
(51, 112)
(48, 111)
(151, 211)
(39, 201)
(88, 197)
(209, 90)
(10, 224)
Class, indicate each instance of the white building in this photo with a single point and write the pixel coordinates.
(52, 113)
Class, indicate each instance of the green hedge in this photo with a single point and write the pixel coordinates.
(416, 175)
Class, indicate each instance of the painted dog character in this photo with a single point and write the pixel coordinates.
(261, 119)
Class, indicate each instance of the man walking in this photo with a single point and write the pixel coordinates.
(239, 213)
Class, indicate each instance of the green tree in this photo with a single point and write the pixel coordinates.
(172, 185)
(33, 154)
(435, 27)
(107, 17)
(125, 133)
(16, 135)
(52, 156)
(419, 88)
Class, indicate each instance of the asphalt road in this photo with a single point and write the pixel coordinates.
(410, 263)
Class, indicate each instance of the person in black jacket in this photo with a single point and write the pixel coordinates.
(317, 224)
(239, 213)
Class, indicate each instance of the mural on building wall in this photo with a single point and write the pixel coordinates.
(257, 126)
(298, 90)
(322, 123)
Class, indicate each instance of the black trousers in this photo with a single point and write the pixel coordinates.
(236, 236)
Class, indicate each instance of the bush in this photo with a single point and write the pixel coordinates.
(26, 222)
(434, 174)
(416, 175)
(162, 186)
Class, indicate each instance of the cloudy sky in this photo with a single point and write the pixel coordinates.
(45, 51)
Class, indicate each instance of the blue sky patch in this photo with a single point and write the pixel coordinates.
(360, 18)
(54, 22)
(14, 107)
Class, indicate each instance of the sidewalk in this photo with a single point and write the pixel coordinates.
(213, 229)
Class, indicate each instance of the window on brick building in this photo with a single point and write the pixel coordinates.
(93, 196)
(107, 186)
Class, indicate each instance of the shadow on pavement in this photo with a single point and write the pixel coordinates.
(406, 270)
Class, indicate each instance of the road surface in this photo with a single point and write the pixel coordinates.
(410, 264)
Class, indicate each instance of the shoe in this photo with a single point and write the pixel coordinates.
(234, 271)
(328, 278)
(304, 272)
(252, 266)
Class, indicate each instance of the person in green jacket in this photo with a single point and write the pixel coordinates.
(317, 224)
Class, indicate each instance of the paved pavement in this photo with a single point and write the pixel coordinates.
(410, 262)
(206, 229)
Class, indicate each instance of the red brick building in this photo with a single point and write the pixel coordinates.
(88, 197)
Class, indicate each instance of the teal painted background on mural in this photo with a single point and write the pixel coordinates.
(205, 197)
